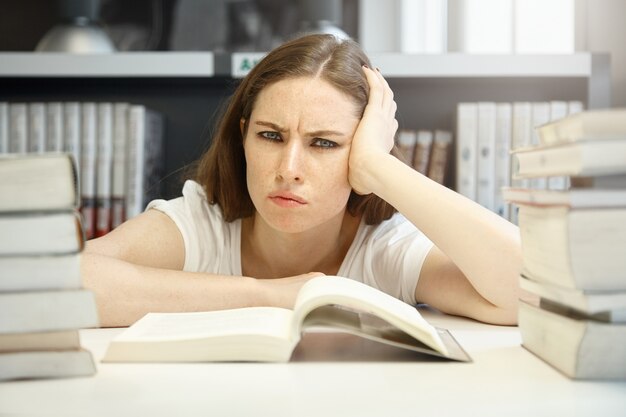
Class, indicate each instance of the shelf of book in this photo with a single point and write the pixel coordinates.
(188, 88)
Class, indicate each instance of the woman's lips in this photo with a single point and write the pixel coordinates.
(287, 199)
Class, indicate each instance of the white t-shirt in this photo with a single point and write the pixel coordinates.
(388, 256)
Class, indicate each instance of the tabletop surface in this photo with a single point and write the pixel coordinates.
(343, 379)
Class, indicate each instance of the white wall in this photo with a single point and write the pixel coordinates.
(600, 27)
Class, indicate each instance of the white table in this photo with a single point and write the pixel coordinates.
(503, 380)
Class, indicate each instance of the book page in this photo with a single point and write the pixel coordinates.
(270, 321)
(329, 290)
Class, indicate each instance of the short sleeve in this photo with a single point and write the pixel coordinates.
(206, 236)
(389, 257)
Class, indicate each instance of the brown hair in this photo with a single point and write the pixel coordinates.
(222, 169)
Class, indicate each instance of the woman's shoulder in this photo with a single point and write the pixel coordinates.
(192, 202)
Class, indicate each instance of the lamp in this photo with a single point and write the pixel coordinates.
(79, 32)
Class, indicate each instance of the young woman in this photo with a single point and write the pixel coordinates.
(301, 180)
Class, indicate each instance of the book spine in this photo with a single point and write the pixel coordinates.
(540, 114)
(72, 135)
(558, 110)
(4, 127)
(520, 138)
(54, 127)
(440, 155)
(88, 167)
(467, 146)
(145, 158)
(502, 157)
(104, 166)
(36, 127)
(18, 128)
(406, 144)
(423, 148)
(120, 150)
(486, 149)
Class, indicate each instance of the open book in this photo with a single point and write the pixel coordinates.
(270, 334)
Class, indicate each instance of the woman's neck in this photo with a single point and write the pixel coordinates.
(269, 253)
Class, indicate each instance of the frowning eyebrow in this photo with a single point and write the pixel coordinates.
(316, 133)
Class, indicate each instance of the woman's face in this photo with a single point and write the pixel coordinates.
(297, 148)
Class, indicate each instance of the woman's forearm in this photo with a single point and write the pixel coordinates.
(125, 291)
(484, 246)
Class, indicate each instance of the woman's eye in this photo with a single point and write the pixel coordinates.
(270, 135)
(324, 143)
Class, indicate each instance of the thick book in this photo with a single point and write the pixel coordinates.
(467, 149)
(104, 169)
(607, 124)
(120, 151)
(270, 334)
(40, 272)
(423, 146)
(439, 156)
(575, 197)
(585, 158)
(145, 158)
(88, 167)
(55, 140)
(406, 140)
(574, 248)
(40, 311)
(40, 233)
(502, 156)
(38, 183)
(579, 348)
(486, 164)
(46, 364)
(38, 341)
(608, 306)
(37, 127)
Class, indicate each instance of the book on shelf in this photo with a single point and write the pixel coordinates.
(37, 341)
(72, 132)
(406, 141)
(104, 167)
(46, 364)
(36, 127)
(272, 333)
(502, 156)
(119, 174)
(4, 127)
(18, 127)
(607, 306)
(467, 149)
(574, 248)
(423, 146)
(486, 163)
(88, 167)
(55, 141)
(578, 347)
(607, 124)
(439, 156)
(145, 158)
(558, 110)
(49, 233)
(38, 182)
(39, 311)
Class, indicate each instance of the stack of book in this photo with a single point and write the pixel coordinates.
(118, 149)
(42, 302)
(574, 245)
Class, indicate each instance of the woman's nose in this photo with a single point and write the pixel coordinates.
(290, 166)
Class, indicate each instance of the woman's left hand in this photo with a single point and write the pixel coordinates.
(375, 133)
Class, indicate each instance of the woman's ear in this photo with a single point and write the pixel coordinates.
(242, 127)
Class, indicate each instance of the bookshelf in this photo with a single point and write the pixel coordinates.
(189, 87)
